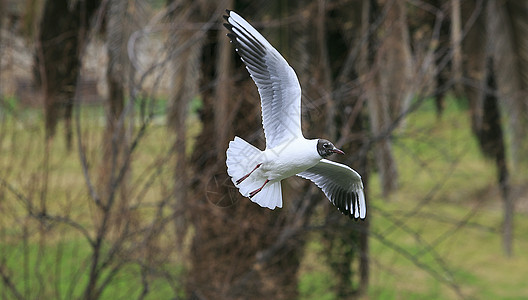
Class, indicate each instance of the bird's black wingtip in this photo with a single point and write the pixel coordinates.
(227, 15)
(231, 36)
(228, 26)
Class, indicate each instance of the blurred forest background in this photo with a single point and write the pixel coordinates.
(115, 117)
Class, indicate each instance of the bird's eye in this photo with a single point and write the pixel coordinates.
(326, 145)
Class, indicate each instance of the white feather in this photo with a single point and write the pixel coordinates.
(341, 185)
(277, 83)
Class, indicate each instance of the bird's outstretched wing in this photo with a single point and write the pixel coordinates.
(341, 184)
(277, 83)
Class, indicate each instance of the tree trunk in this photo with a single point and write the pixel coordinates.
(485, 111)
(507, 34)
(508, 28)
(379, 89)
(265, 247)
(119, 76)
(235, 253)
(474, 46)
(185, 62)
(456, 40)
(492, 143)
(59, 51)
(2, 16)
(395, 60)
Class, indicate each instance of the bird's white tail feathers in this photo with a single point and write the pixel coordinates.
(242, 158)
(270, 196)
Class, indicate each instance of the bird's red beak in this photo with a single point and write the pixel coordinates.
(335, 150)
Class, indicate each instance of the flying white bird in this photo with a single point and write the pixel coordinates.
(258, 174)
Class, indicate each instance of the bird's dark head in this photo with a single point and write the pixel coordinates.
(325, 148)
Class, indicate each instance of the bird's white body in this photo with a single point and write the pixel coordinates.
(289, 158)
(258, 174)
(283, 161)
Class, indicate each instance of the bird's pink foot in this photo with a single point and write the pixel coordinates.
(258, 190)
(247, 175)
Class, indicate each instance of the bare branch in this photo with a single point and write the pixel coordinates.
(6, 278)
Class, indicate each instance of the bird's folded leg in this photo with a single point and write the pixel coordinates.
(258, 190)
(247, 175)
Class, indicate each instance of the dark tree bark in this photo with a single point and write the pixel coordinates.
(456, 47)
(2, 15)
(239, 250)
(491, 140)
(442, 76)
(186, 52)
(229, 230)
(508, 29)
(57, 62)
(486, 121)
(376, 81)
(474, 65)
(507, 39)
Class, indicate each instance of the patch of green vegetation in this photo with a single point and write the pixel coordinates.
(9, 104)
(315, 280)
(53, 260)
(315, 285)
(60, 270)
(195, 105)
(446, 215)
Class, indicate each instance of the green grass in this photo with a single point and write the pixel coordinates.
(61, 272)
(447, 214)
(53, 260)
(316, 280)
